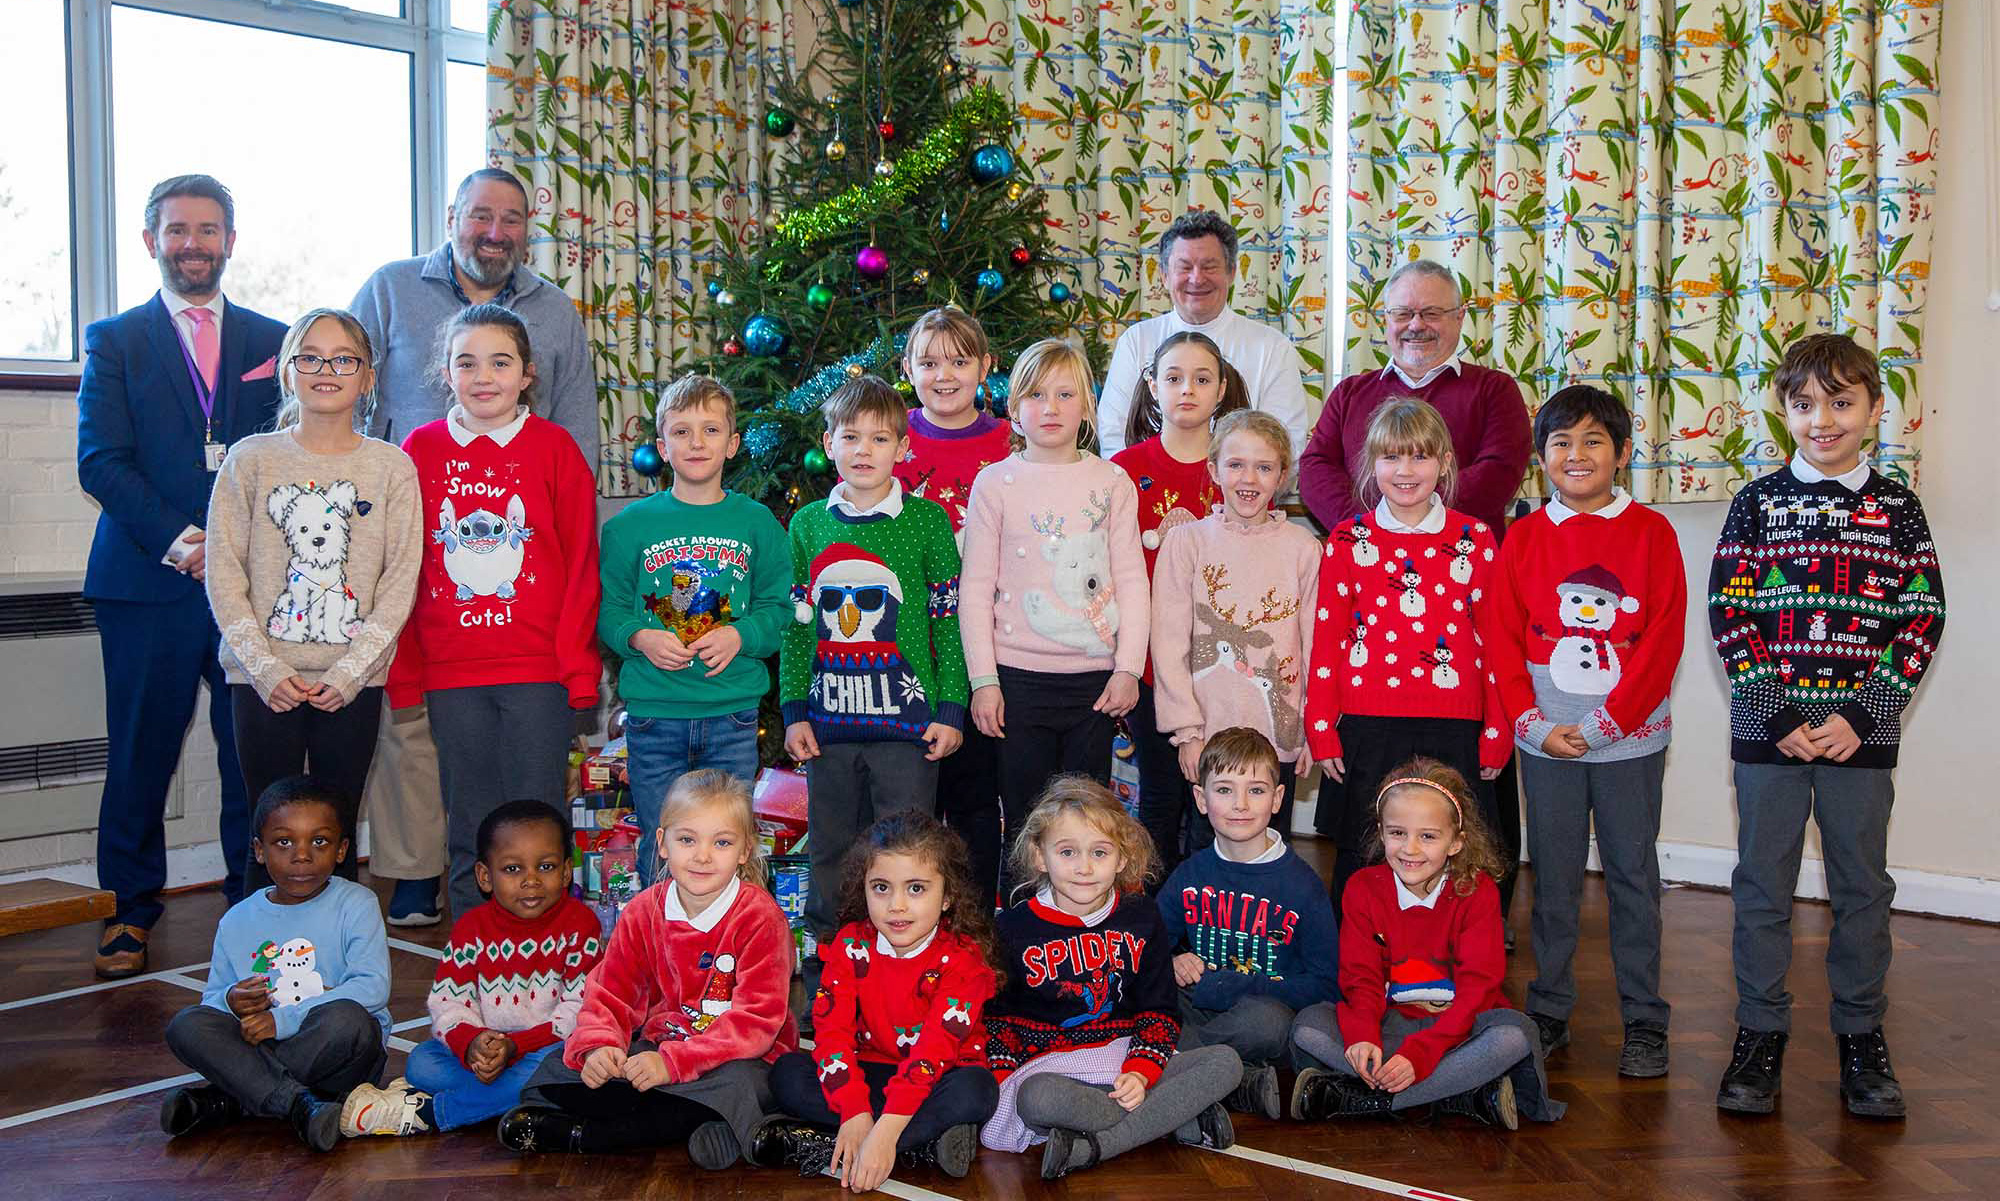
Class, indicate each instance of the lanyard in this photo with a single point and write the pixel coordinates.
(202, 393)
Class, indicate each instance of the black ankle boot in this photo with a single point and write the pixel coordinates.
(1061, 1148)
(1867, 1083)
(1212, 1127)
(778, 1141)
(531, 1128)
(1489, 1104)
(1756, 1065)
(316, 1122)
(1320, 1094)
(950, 1152)
(195, 1108)
(1257, 1093)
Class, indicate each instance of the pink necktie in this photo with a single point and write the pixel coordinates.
(207, 344)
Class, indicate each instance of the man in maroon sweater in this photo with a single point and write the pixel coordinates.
(1481, 407)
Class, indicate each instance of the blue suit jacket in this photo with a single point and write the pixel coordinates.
(139, 439)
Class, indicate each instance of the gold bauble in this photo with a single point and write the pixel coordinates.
(836, 150)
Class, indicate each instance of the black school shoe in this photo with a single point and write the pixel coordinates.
(1257, 1092)
(713, 1146)
(1491, 1104)
(531, 1128)
(316, 1122)
(1756, 1066)
(779, 1140)
(1645, 1052)
(198, 1107)
(1554, 1032)
(1867, 1083)
(950, 1152)
(1319, 1094)
(1061, 1148)
(1210, 1128)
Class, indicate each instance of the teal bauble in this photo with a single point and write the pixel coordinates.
(646, 460)
(1059, 293)
(991, 280)
(763, 335)
(992, 162)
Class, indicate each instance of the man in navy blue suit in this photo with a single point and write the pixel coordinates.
(166, 388)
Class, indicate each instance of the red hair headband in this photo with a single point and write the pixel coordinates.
(1447, 793)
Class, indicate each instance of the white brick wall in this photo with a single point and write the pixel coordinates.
(45, 526)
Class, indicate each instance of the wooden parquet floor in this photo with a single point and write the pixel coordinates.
(1661, 1139)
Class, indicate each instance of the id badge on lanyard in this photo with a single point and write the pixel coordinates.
(212, 452)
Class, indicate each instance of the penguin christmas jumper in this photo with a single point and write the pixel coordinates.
(707, 989)
(523, 979)
(1823, 599)
(1585, 626)
(921, 1013)
(873, 654)
(508, 592)
(689, 569)
(1072, 984)
(1397, 631)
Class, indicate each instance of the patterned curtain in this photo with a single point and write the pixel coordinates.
(1657, 196)
(635, 121)
(1133, 112)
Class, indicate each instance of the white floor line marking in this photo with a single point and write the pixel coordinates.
(162, 974)
(137, 1090)
(895, 1188)
(1307, 1167)
(410, 1024)
(416, 948)
(402, 1044)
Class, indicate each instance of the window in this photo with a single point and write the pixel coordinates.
(340, 128)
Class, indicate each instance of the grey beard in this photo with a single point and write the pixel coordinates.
(479, 272)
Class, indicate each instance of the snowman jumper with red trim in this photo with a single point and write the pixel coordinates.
(921, 1014)
(1585, 625)
(1397, 632)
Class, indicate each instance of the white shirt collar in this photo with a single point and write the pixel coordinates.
(1559, 512)
(178, 304)
(1272, 852)
(890, 505)
(455, 422)
(1852, 479)
(709, 918)
(1047, 896)
(882, 946)
(1215, 322)
(1432, 523)
(1451, 364)
(1405, 899)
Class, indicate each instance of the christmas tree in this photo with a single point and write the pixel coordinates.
(899, 191)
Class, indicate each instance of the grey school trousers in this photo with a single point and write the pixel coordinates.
(338, 1045)
(849, 787)
(1257, 1028)
(1562, 797)
(1851, 805)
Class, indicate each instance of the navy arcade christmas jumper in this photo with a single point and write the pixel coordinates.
(1823, 600)
(1262, 929)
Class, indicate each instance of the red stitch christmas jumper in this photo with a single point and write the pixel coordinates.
(707, 989)
(1397, 628)
(921, 1013)
(508, 592)
(1073, 983)
(523, 979)
(1444, 960)
(1585, 627)
(1171, 493)
(941, 464)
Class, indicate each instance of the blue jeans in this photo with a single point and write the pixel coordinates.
(457, 1097)
(660, 750)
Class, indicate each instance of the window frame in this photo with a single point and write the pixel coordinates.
(424, 32)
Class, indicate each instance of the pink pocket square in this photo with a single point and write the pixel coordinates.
(263, 370)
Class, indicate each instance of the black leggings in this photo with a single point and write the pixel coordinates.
(337, 747)
(618, 1117)
(961, 1095)
(968, 801)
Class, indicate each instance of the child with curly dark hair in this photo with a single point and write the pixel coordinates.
(1421, 1019)
(898, 1065)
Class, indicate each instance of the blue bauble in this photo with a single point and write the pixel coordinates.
(996, 394)
(992, 162)
(991, 280)
(714, 288)
(763, 335)
(1059, 293)
(646, 460)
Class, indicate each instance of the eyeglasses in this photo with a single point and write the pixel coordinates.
(312, 364)
(1430, 315)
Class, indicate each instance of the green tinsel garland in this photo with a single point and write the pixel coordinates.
(942, 149)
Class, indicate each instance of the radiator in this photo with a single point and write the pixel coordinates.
(52, 747)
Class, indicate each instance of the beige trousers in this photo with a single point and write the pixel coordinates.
(403, 803)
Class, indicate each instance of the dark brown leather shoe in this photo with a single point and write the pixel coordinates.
(122, 952)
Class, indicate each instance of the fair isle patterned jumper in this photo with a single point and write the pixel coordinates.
(1823, 600)
(522, 979)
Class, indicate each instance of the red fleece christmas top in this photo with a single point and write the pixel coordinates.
(1445, 960)
(523, 979)
(1396, 633)
(508, 591)
(1585, 625)
(707, 990)
(921, 1013)
(941, 463)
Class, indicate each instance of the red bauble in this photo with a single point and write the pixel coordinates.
(886, 128)
(732, 348)
(1021, 255)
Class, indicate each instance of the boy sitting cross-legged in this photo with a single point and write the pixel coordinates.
(1253, 919)
(507, 990)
